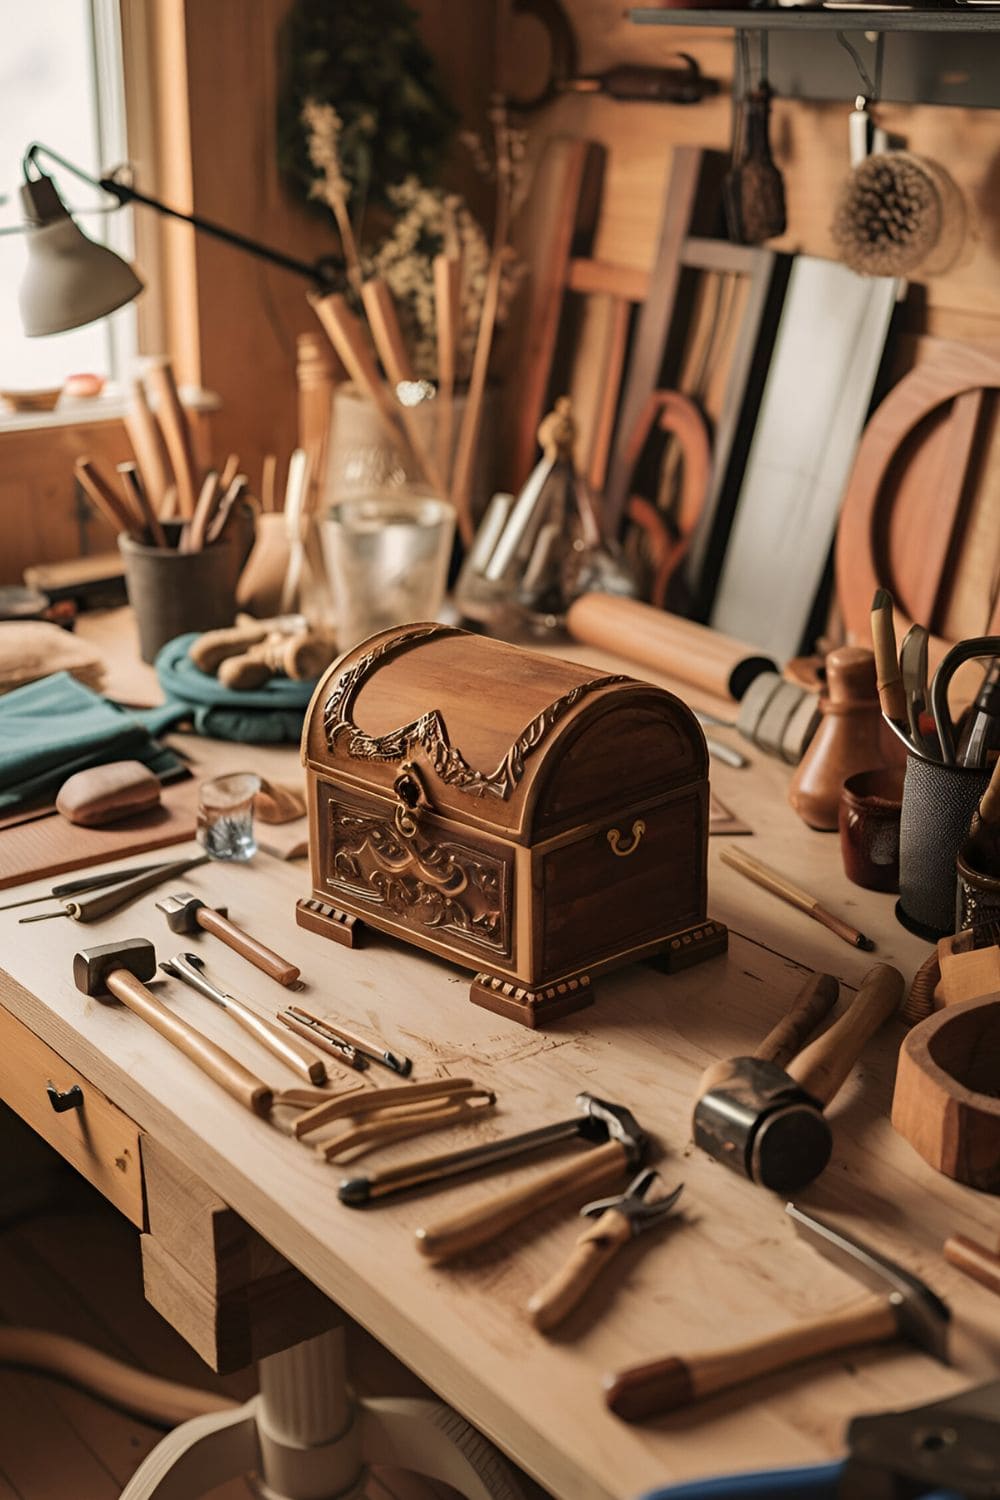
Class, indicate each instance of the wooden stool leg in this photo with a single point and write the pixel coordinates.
(198, 1456)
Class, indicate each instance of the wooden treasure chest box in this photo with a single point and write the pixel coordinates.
(523, 816)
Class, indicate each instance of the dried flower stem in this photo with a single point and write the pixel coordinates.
(468, 437)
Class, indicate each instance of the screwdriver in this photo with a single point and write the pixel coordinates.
(87, 883)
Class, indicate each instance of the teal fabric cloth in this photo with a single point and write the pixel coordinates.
(54, 727)
(268, 715)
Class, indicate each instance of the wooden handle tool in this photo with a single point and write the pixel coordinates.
(105, 501)
(823, 1066)
(593, 1171)
(457, 1109)
(237, 1080)
(176, 434)
(195, 532)
(891, 693)
(594, 1251)
(348, 338)
(773, 881)
(147, 445)
(132, 485)
(447, 322)
(663, 1385)
(247, 947)
(813, 1004)
(976, 1260)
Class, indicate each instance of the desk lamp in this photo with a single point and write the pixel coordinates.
(71, 280)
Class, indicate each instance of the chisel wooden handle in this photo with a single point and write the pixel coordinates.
(592, 1172)
(237, 1080)
(246, 946)
(666, 1384)
(822, 1067)
(594, 1250)
(290, 1052)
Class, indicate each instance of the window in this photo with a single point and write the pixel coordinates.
(61, 84)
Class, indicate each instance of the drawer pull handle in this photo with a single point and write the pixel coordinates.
(624, 848)
(64, 1099)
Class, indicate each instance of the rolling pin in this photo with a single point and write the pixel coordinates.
(665, 643)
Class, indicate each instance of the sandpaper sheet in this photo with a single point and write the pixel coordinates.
(50, 845)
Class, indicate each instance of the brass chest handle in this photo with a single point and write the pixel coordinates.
(624, 847)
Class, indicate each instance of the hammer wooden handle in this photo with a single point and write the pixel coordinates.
(813, 1004)
(594, 1171)
(595, 1249)
(976, 1260)
(246, 946)
(822, 1067)
(237, 1080)
(666, 1384)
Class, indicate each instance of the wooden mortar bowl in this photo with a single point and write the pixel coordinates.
(947, 1097)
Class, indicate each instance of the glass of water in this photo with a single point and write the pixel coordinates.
(387, 560)
(225, 816)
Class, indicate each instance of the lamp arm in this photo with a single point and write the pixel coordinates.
(322, 272)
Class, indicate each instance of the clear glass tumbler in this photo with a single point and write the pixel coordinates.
(386, 560)
(225, 816)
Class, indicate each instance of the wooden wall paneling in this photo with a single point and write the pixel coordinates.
(654, 321)
(562, 218)
(827, 353)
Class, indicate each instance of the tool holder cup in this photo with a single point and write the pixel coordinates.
(939, 803)
(174, 592)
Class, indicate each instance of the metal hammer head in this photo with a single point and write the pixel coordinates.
(763, 1125)
(181, 911)
(604, 1121)
(921, 1316)
(91, 966)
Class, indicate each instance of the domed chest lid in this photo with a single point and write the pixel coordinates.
(476, 718)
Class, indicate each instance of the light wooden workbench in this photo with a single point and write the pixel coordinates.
(732, 1268)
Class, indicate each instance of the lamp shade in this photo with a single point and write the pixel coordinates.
(70, 279)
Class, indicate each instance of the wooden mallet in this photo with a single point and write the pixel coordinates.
(117, 970)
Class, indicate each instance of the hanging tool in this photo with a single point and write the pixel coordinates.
(118, 970)
(186, 914)
(763, 1116)
(113, 897)
(616, 1221)
(904, 1308)
(87, 883)
(679, 85)
(753, 190)
(190, 970)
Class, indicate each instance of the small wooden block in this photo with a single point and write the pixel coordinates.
(532, 1008)
(707, 940)
(317, 916)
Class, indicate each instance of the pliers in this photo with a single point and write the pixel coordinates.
(618, 1220)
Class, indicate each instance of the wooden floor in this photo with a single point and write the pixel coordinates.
(69, 1263)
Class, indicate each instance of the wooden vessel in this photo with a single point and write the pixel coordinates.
(532, 819)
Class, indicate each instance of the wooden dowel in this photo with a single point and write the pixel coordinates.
(771, 880)
(974, 1259)
(447, 322)
(383, 321)
(472, 416)
(193, 538)
(104, 499)
(348, 338)
(176, 434)
(148, 447)
(132, 485)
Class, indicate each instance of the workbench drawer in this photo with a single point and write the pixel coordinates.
(96, 1137)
